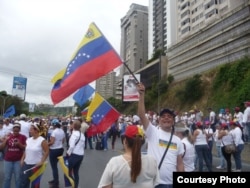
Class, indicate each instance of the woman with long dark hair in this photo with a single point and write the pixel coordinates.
(131, 169)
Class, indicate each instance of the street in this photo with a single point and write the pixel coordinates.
(93, 165)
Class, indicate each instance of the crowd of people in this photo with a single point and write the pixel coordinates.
(178, 142)
(26, 143)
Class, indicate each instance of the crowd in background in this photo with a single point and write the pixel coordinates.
(198, 133)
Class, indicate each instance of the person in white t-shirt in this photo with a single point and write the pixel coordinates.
(35, 154)
(25, 126)
(56, 142)
(75, 152)
(134, 169)
(212, 119)
(183, 132)
(7, 126)
(158, 139)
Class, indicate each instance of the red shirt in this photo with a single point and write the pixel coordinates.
(13, 152)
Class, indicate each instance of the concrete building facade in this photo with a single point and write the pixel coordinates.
(134, 38)
(106, 85)
(224, 38)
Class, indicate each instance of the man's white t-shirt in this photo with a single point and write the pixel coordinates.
(157, 140)
(25, 128)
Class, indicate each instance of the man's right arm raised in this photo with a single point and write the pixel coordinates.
(141, 106)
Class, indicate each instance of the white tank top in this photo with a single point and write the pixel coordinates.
(201, 138)
(33, 150)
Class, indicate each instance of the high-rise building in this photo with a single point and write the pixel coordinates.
(210, 33)
(162, 25)
(134, 38)
(106, 85)
(195, 15)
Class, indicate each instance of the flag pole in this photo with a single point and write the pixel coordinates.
(27, 170)
(131, 73)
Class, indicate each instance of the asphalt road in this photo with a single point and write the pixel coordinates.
(92, 167)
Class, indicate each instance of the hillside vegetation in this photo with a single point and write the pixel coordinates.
(226, 86)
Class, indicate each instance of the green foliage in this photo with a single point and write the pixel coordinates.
(118, 104)
(192, 91)
(156, 55)
(170, 78)
(231, 84)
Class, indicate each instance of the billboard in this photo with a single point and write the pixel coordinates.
(19, 87)
(32, 107)
(130, 92)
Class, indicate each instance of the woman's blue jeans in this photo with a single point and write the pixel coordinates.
(11, 167)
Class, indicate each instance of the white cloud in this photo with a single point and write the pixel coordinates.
(38, 37)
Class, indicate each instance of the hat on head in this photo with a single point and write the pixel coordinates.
(237, 109)
(180, 127)
(223, 125)
(235, 123)
(198, 124)
(133, 131)
(222, 111)
(207, 122)
(17, 124)
(23, 116)
(247, 103)
(167, 111)
(55, 122)
(191, 111)
(36, 119)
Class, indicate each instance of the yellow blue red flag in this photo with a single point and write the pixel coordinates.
(68, 181)
(102, 114)
(58, 76)
(36, 176)
(94, 58)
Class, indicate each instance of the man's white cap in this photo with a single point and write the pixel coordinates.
(22, 116)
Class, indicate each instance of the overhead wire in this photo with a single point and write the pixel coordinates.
(15, 72)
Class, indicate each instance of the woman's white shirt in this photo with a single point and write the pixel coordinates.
(74, 147)
(59, 136)
(117, 173)
(33, 150)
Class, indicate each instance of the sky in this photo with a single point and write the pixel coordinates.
(38, 38)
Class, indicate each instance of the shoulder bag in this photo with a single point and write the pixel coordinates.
(230, 148)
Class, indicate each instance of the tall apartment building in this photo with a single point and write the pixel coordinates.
(195, 15)
(134, 38)
(106, 85)
(210, 33)
(162, 25)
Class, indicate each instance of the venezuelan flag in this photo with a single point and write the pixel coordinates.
(68, 181)
(102, 114)
(36, 176)
(94, 58)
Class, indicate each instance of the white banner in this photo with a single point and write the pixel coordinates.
(130, 92)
